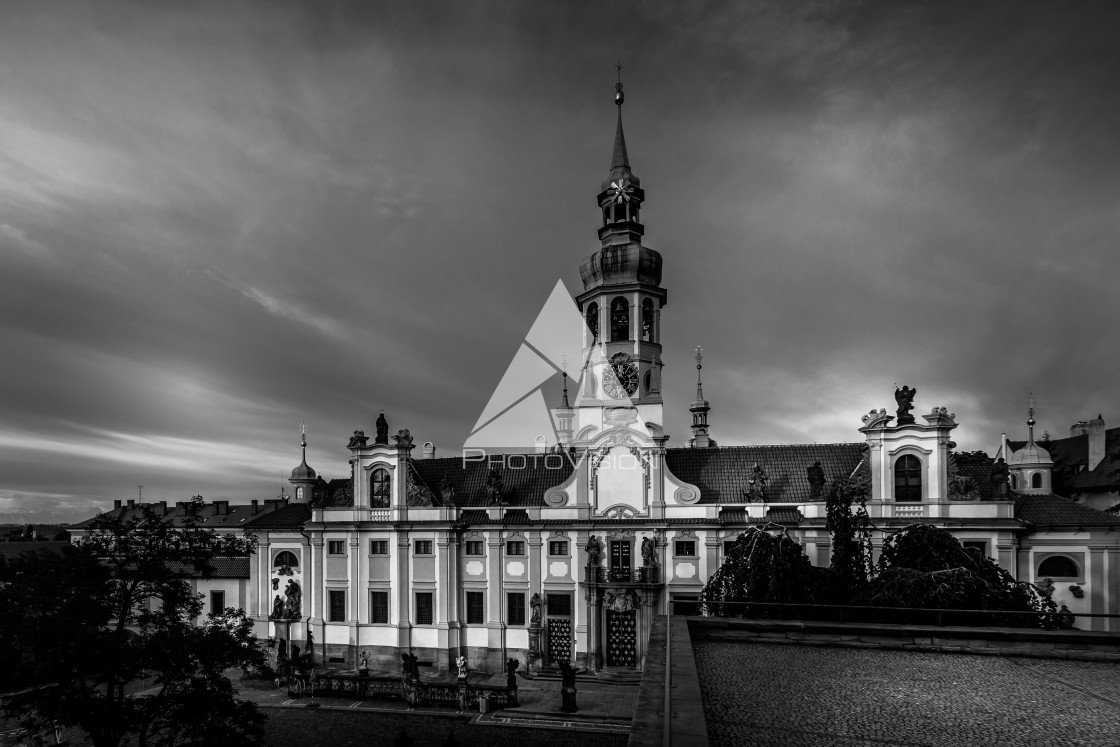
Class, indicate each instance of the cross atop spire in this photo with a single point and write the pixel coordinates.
(1030, 419)
(620, 160)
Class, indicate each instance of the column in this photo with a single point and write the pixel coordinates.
(403, 586)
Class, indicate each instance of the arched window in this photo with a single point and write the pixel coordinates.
(647, 319)
(620, 319)
(1036, 480)
(908, 478)
(285, 558)
(593, 319)
(380, 488)
(1058, 566)
(647, 382)
(299, 493)
(1014, 481)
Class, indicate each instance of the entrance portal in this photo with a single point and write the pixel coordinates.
(622, 639)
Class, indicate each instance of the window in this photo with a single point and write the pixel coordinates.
(1036, 480)
(558, 547)
(476, 607)
(337, 603)
(1058, 566)
(515, 547)
(336, 547)
(593, 319)
(559, 605)
(620, 319)
(647, 319)
(425, 608)
(908, 478)
(285, 558)
(516, 602)
(476, 547)
(217, 602)
(685, 547)
(647, 380)
(423, 547)
(299, 493)
(380, 488)
(379, 607)
(379, 547)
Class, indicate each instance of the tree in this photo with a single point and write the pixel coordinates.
(760, 567)
(91, 626)
(850, 527)
(923, 566)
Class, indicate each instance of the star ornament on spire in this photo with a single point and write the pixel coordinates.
(621, 191)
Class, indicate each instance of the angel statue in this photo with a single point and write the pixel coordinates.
(904, 398)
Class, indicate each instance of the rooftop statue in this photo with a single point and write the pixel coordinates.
(904, 397)
(815, 474)
(756, 487)
(1000, 473)
(382, 436)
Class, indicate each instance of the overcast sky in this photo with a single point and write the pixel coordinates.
(218, 221)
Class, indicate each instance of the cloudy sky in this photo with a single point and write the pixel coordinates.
(218, 221)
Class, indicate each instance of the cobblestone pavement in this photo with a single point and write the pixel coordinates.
(297, 727)
(772, 694)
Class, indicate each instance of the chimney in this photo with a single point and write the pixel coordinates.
(132, 503)
(1080, 428)
(161, 508)
(256, 505)
(117, 503)
(429, 451)
(1096, 442)
(221, 508)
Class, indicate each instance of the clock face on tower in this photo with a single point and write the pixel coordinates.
(621, 380)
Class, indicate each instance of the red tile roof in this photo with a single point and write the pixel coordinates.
(1054, 510)
(723, 473)
(234, 516)
(523, 487)
(291, 516)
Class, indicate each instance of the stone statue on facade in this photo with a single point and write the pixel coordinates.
(535, 606)
(363, 666)
(511, 673)
(648, 546)
(756, 486)
(293, 601)
(594, 553)
(999, 475)
(382, 436)
(815, 474)
(447, 490)
(461, 664)
(277, 606)
(904, 398)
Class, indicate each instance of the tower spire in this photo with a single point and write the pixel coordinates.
(1030, 420)
(620, 160)
(699, 409)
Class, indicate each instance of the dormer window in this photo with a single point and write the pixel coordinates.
(908, 479)
(380, 488)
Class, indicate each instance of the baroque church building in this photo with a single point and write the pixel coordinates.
(568, 553)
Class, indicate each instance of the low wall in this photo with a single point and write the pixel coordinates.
(1049, 644)
(686, 722)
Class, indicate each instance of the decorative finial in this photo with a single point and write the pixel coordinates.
(619, 97)
(303, 434)
(1030, 418)
(699, 357)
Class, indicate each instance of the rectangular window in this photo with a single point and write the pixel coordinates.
(558, 547)
(559, 605)
(476, 607)
(217, 602)
(425, 608)
(423, 547)
(476, 547)
(685, 547)
(379, 547)
(516, 602)
(379, 607)
(515, 547)
(338, 606)
(336, 547)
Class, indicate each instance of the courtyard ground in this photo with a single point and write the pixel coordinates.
(772, 694)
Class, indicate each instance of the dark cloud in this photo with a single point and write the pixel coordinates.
(217, 221)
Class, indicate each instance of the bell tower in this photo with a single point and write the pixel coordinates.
(621, 302)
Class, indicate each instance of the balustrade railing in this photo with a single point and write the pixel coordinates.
(646, 574)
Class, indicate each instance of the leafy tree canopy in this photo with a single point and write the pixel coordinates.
(760, 567)
(103, 637)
